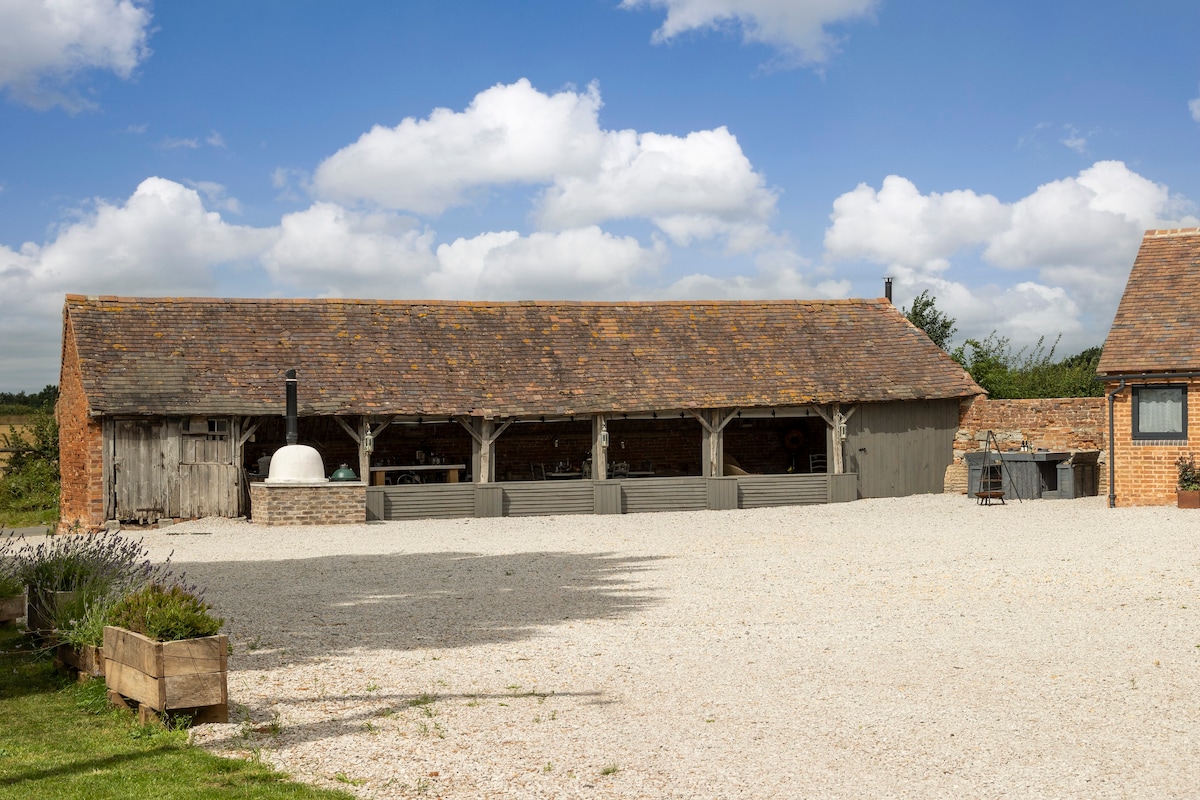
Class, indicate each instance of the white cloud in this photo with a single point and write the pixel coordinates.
(899, 225)
(215, 139)
(508, 134)
(327, 249)
(1194, 107)
(1075, 140)
(216, 196)
(780, 275)
(171, 143)
(696, 187)
(1078, 235)
(46, 44)
(798, 29)
(572, 264)
(161, 239)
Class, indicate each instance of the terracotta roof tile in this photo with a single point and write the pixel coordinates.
(198, 356)
(1157, 326)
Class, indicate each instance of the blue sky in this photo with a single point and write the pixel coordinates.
(1006, 156)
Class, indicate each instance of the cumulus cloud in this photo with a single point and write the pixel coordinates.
(695, 187)
(781, 274)
(572, 264)
(161, 240)
(46, 44)
(799, 30)
(508, 134)
(1078, 236)
(330, 250)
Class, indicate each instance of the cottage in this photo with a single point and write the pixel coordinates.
(1151, 360)
(169, 406)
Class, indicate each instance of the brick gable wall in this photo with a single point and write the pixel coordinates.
(80, 446)
(1146, 474)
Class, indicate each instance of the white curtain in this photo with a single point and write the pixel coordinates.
(1160, 410)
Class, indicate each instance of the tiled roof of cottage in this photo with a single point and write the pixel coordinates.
(207, 356)
(1157, 326)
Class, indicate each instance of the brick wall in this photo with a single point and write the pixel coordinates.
(1146, 474)
(313, 504)
(80, 447)
(1070, 423)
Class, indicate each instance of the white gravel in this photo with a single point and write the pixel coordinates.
(918, 647)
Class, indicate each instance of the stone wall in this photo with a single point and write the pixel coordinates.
(1062, 424)
(308, 504)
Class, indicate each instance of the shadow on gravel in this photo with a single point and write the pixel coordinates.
(317, 607)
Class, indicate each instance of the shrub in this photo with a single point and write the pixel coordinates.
(29, 486)
(10, 578)
(96, 569)
(1189, 474)
(165, 613)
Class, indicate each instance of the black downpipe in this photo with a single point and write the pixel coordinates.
(1112, 441)
(292, 426)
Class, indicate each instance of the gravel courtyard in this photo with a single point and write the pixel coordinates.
(917, 647)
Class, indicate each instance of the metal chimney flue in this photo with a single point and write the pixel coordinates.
(292, 426)
(887, 289)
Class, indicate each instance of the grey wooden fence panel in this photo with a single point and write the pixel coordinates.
(764, 491)
(421, 501)
(665, 494)
(541, 498)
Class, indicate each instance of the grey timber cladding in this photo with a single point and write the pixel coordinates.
(899, 449)
(207, 356)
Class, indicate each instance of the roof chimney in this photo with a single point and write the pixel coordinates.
(291, 427)
(887, 289)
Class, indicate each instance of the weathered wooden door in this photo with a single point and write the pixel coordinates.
(140, 480)
(208, 475)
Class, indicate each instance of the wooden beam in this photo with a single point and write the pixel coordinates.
(599, 448)
(346, 427)
(248, 432)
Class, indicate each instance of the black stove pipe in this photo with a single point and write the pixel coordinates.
(292, 425)
(887, 289)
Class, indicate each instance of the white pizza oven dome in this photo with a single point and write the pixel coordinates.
(296, 463)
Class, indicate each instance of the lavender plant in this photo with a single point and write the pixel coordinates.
(11, 584)
(75, 579)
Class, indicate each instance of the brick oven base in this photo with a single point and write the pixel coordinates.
(308, 503)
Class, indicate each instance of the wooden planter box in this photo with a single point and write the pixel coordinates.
(11, 608)
(88, 661)
(1187, 498)
(189, 674)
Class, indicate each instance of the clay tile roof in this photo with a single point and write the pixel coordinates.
(1157, 326)
(197, 356)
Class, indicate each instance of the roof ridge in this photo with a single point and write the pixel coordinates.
(1163, 233)
(92, 298)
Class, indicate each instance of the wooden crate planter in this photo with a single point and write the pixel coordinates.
(86, 661)
(11, 609)
(1187, 498)
(189, 676)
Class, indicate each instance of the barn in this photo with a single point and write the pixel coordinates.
(170, 406)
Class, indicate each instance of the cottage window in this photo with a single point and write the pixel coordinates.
(1160, 412)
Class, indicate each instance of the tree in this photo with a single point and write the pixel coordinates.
(1029, 372)
(926, 316)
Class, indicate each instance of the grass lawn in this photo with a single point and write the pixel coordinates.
(63, 741)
